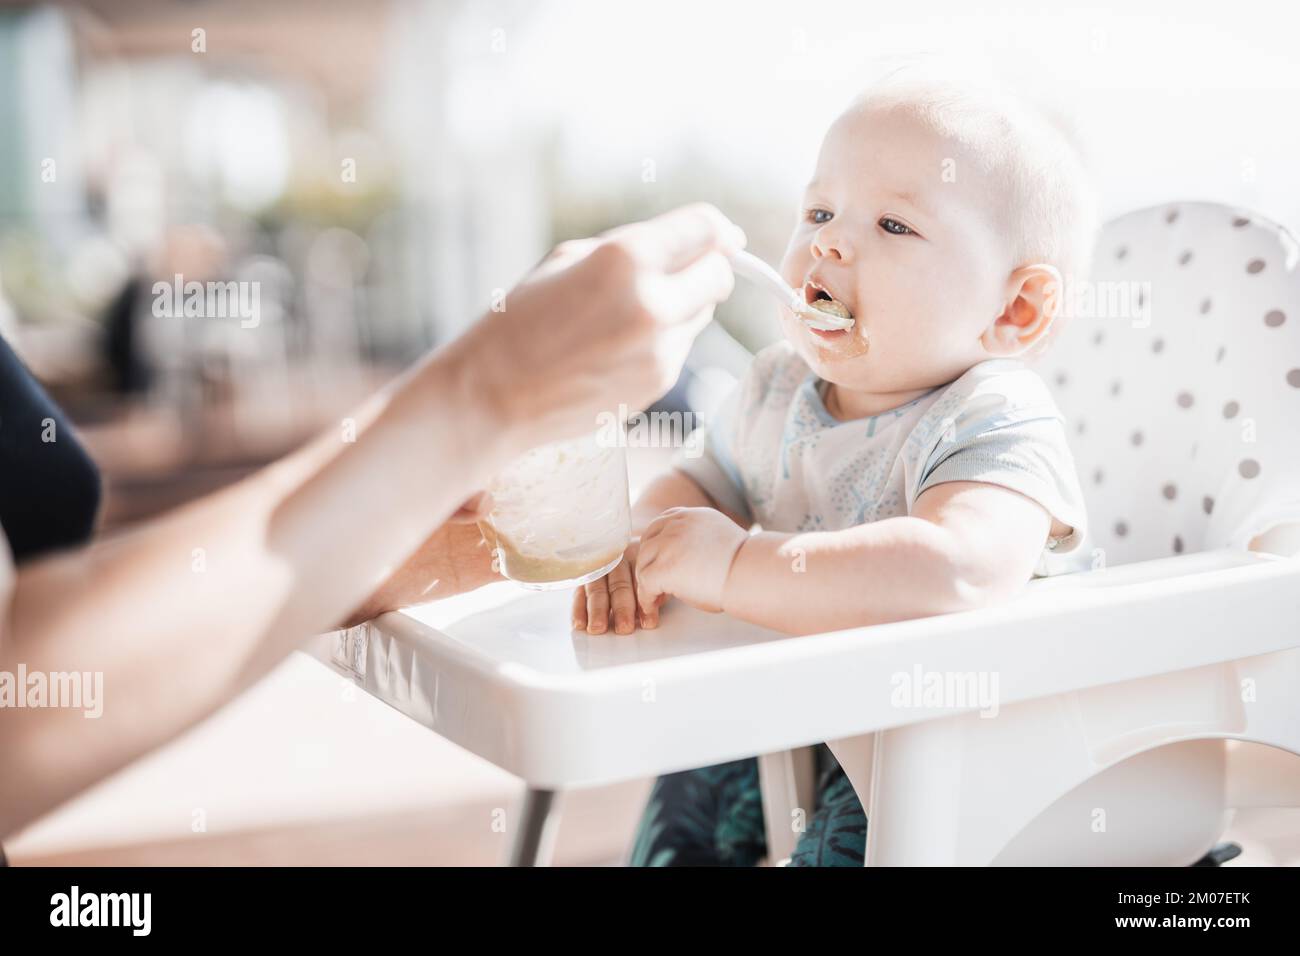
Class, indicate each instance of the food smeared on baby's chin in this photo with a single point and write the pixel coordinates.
(824, 347)
(838, 346)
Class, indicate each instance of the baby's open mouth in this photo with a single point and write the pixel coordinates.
(840, 317)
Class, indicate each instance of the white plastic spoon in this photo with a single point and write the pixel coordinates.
(757, 271)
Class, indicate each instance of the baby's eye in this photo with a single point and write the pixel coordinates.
(819, 216)
(895, 227)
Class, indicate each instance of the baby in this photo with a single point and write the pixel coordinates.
(911, 465)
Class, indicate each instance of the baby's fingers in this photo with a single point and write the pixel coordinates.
(650, 619)
(649, 596)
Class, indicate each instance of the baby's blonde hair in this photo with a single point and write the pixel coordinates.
(1030, 148)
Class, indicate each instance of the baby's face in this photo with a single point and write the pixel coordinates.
(898, 226)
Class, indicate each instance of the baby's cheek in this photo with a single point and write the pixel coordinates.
(954, 292)
(935, 347)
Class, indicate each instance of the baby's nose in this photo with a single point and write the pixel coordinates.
(829, 246)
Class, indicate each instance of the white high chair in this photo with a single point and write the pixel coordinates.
(1142, 693)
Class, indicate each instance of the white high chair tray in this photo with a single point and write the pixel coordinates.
(500, 672)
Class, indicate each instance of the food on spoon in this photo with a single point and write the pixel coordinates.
(832, 307)
(817, 302)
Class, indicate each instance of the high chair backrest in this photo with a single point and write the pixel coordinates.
(1179, 376)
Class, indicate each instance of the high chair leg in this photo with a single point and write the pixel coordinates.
(958, 790)
(534, 835)
(857, 757)
(787, 781)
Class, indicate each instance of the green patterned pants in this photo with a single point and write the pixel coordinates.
(714, 817)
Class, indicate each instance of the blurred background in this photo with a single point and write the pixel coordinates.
(378, 171)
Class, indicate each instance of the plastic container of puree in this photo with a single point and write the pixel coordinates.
(560, 514)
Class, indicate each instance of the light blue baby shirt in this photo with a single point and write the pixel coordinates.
(774, 455)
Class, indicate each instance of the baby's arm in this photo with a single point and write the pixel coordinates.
(966, 544)
(673, 489)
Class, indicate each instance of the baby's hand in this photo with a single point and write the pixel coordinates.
(612, 597)
(686, 553)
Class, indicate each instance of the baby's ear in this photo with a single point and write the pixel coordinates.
(1033, 301)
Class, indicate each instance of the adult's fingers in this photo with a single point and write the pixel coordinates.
(597, 606)
(622, 598)
(580, 609)
(684, 294)
(675, 239)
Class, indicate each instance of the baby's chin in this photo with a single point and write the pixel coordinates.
(832, 355)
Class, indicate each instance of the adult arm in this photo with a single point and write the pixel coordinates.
(183, 612)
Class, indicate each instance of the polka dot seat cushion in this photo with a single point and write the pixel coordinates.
(1179, 375)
